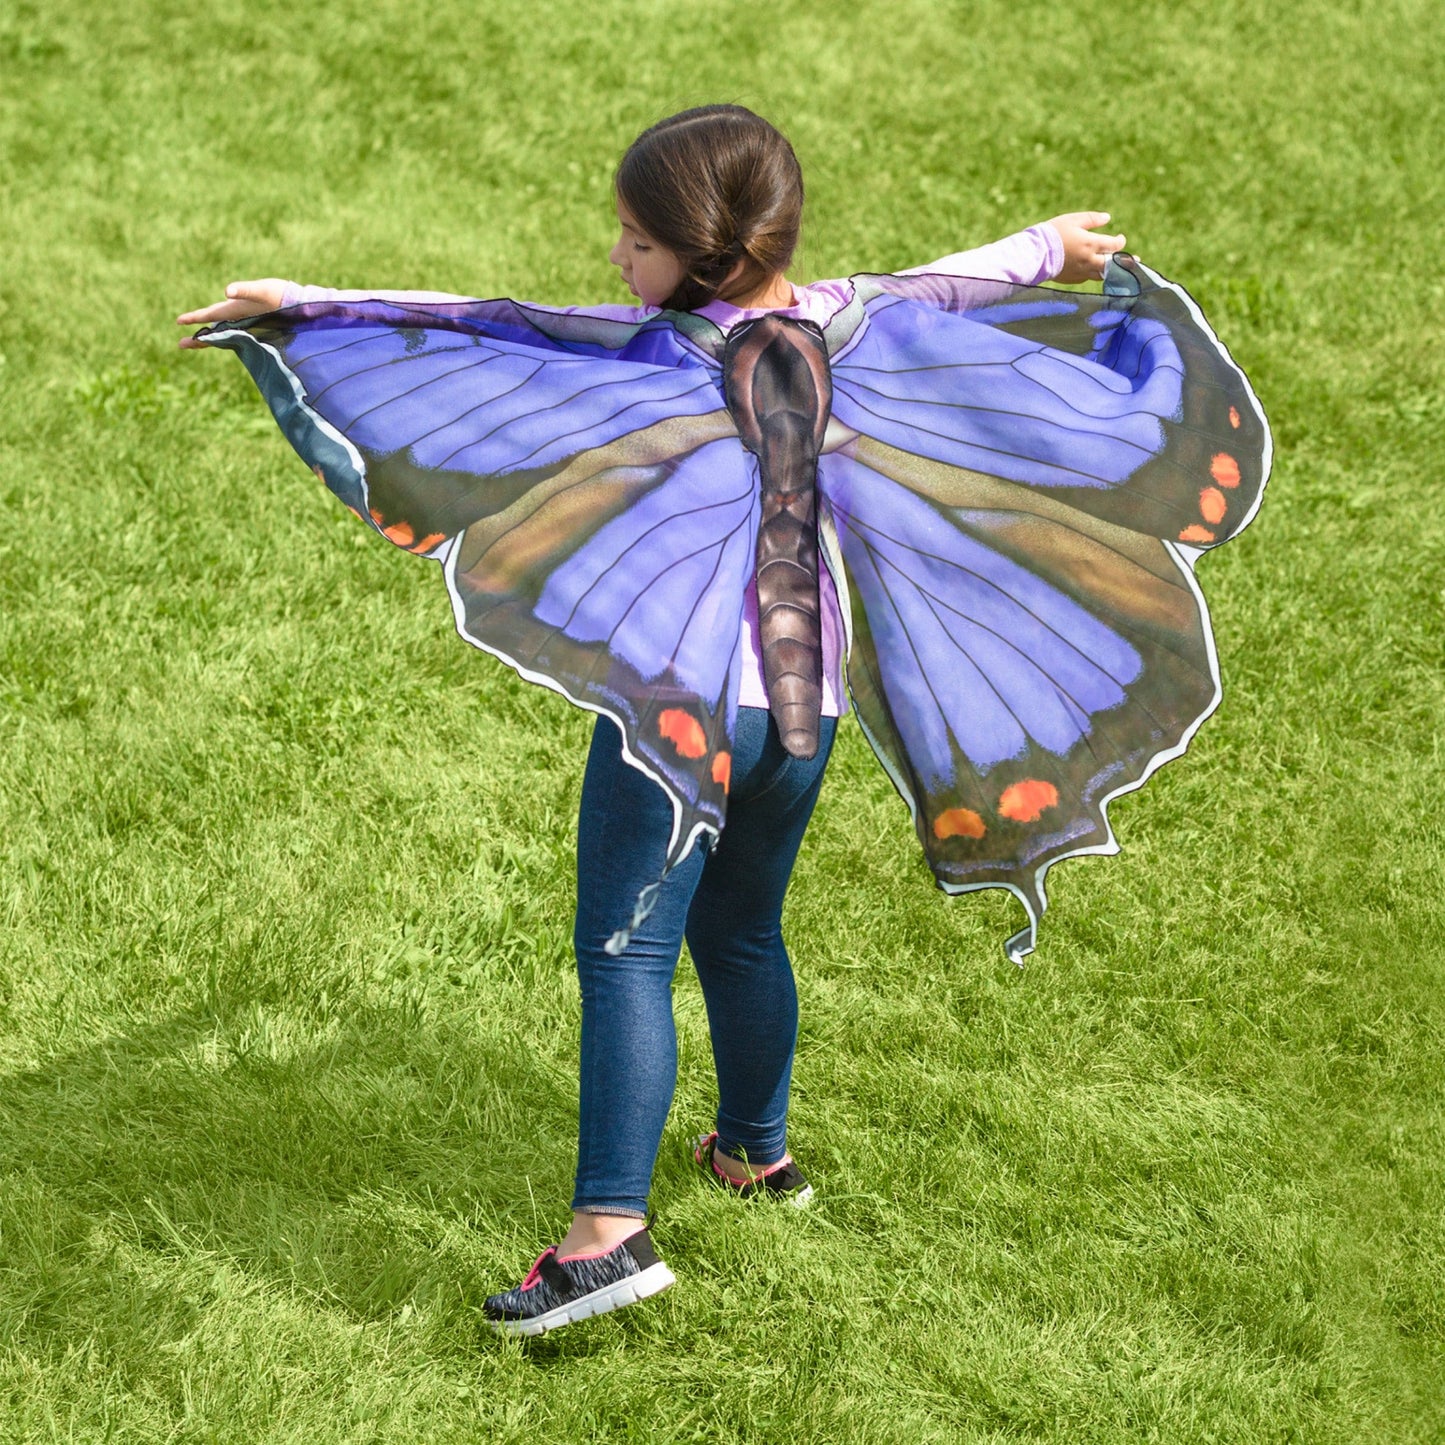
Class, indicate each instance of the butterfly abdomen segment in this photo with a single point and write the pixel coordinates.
(789, 624)
(779, 393)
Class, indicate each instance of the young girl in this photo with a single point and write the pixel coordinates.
(735, 706)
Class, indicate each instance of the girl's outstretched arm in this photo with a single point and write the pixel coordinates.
(251, 298)
(1062, 249)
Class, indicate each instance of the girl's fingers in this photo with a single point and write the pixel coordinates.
(260, 291)
(243, 298)
(266, 293)
(1111, 245)
(1084, 220)
(221, 311)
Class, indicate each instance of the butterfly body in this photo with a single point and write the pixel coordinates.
(779, 392)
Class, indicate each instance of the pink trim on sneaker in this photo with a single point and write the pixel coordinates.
(535, 1273)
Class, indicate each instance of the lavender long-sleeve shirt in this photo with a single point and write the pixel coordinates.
(1026, 258)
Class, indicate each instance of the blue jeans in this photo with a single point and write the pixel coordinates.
(729, 906)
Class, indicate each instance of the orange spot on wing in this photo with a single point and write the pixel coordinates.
(1234, 417)
(404, 535)
(1224, 469)
(1212, 505)
(683, 731)
(1025, 801)
(958, 823)
(1196, 534)
(722, 770)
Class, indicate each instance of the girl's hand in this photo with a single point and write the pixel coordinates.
(243, 298)
(1086, 256)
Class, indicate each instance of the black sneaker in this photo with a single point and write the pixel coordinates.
(783, 1180)
(561, 1291)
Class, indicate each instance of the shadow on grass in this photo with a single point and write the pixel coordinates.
(393, 1163)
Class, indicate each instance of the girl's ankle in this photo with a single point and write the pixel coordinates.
(597, 1233)
(740, 1171)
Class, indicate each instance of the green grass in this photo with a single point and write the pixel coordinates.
(287, 1021)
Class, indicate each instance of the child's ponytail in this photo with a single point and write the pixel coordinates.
(717, 186)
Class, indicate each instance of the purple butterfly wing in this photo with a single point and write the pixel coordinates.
(579, 479)
(1016, 665)
(1125, 406)
(1028, 639)
(422, 417)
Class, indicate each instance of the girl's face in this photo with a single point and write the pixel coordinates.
(652, 272)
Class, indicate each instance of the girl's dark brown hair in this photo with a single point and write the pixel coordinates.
(716, 185)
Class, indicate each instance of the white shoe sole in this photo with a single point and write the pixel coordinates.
(653, 1280)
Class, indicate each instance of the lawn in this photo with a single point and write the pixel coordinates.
(287, 1015)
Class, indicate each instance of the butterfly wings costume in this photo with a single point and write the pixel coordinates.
(1009, 487)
